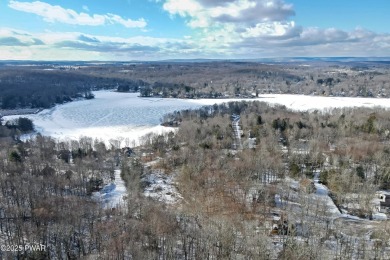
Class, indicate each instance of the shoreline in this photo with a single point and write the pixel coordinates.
(19, 111)
(31, 111)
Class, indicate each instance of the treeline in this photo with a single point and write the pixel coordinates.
(245, 79)
(38, 88)
(131, 86)
(16, 127)
(174, 90)
(41, 89)
(165, 90)
(43, 86)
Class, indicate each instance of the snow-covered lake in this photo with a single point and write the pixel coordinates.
(304, 103)
(111, 115)
(125, 116)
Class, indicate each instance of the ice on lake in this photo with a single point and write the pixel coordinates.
(111, 115)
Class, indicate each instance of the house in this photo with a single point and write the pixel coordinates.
(127, 151)
(384, 201)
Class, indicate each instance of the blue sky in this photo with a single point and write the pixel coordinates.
(179, 29)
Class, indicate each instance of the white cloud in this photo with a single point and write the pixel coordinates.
(233, 21)
(113, 18)
(246, 12)
(270, 29)
(183, 7)
(314, 41)
(56, 13)
(64, 46)
(9, 37)
(282, 39)
(264, 28)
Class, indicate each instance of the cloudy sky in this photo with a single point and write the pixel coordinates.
(178, 29)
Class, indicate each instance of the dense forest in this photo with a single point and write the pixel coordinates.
(15, 128)
(259, 202)
(43, 85)
(350, 147)
(31, 87)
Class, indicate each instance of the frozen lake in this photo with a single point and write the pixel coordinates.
(125, 116)
(111, 115)
(304, 103)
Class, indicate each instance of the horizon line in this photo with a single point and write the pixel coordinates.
(295, 58)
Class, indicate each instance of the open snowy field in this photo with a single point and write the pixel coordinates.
(125, 116)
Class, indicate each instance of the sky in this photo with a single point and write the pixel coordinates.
(126, 30)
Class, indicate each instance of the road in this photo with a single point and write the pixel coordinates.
(236, 132)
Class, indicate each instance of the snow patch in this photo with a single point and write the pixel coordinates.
(379, 216)
(322, 193)
(113, 195)
(161, 187)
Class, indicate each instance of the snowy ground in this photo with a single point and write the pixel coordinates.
(113, 195)
(320, 197)
(161, 187)
(237, 133)
(379, 216)
(322, 193)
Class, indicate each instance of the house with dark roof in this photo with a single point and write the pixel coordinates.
(384, 201)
